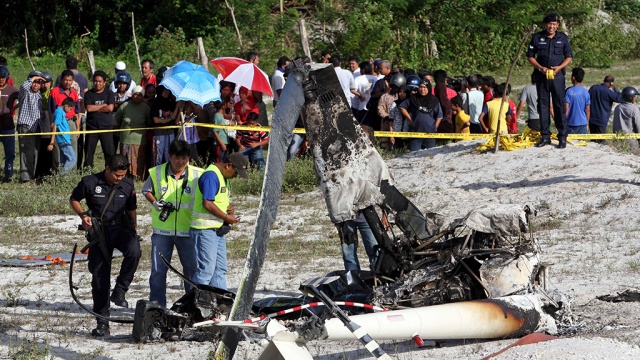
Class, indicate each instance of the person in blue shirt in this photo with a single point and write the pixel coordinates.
(67, 155)
(578, 104)
(211, 217)
(549, 53)
(602, 98)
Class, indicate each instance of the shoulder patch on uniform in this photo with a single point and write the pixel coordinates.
(223, 189)
(98, 189)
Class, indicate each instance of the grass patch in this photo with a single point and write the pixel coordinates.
(29, 350)
(549, 224)
(50, 197)
(299, 176)
(621, 146)
(634, 265)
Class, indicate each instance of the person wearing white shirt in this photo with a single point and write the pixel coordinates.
(364, 84)
(278, 80)
(354, 65)
(121, 67)
(347, 82)
(476, 100)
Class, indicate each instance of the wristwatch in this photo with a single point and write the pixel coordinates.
(83, 214)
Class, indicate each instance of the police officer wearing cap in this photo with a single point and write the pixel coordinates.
(170, 187)
(549, 53)
(111, 199)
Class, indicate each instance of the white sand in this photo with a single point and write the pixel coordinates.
(588, 195)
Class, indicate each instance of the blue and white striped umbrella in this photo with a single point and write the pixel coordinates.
(190, 82)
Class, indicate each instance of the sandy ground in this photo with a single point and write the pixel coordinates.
(587, 224)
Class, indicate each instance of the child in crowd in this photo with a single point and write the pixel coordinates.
(462, 119)
(220, 135)
(398, 122)
(250, 143)
(67, 155)
(495, 113)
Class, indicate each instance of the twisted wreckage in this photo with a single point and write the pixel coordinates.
(479, 277)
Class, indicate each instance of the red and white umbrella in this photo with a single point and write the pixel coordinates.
(243, 73)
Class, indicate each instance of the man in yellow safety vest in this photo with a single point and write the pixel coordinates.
(211, 218)
(170, 187)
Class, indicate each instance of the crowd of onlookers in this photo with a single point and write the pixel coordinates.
(381, 97)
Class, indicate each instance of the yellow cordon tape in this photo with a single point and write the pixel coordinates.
(415, 135)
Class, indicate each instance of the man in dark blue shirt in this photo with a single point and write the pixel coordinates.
(602, 98)
(549, 53)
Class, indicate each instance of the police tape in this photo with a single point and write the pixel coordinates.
(383, 134)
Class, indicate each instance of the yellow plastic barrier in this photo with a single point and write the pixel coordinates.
(507, 138)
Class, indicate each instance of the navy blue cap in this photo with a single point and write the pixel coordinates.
(551, 17)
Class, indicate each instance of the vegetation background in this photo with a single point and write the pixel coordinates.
(470, 36)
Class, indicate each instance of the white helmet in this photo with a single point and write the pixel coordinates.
(121, 66)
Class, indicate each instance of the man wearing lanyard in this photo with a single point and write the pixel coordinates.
(169, 188)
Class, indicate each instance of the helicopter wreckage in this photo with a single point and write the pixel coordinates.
(478, 277)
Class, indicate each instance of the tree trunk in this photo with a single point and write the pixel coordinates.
(202, 54)
(304, 38)
(135, 42)
(235, 24)
(92, 63)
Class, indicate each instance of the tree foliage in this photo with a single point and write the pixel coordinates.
(469, 35)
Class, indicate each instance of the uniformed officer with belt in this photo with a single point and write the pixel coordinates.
(549, 53)
(111, 197)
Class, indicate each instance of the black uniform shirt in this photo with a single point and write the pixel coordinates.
(550, 52)
(95, 190)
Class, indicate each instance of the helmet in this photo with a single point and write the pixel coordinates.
(35, 73)
(121, 66)
(413, 82)
(48, 77)
(629, 93)
(397, 81)
(4, 71)
(123, 77)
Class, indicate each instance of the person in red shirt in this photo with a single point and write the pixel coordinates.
(488, 82)
(59, 94)
(147, 74)
(245, 106)
(512, 126)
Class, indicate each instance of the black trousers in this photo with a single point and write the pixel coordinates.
(547, 90)
(116, 237)
(91, 143)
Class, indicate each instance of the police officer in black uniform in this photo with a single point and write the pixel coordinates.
(111, 198)
(550, 50)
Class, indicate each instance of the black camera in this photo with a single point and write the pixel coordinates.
(457, 83)
(167, 208)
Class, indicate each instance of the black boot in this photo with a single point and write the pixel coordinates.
(562, 144)
(117, 297)
(101, 330)
(543, 142)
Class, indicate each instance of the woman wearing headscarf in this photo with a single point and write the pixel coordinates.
(424, 114)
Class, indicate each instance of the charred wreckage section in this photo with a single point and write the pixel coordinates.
(477, 277)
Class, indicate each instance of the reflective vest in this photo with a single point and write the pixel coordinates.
(201, 218)
(177, 192)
